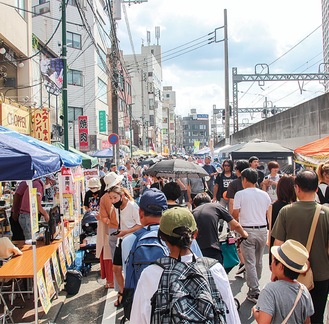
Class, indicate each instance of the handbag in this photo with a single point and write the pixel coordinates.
(306, 278)
(230, 253)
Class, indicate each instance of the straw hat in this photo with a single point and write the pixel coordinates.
(292, 254)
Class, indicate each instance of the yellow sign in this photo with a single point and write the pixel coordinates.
(15, 118)
(41, 125)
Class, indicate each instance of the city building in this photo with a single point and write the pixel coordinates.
(97, 82)
(168, 120)
(195, 131)
(145, 70)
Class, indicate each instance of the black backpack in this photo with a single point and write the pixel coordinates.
(187, 293)
(73, 281)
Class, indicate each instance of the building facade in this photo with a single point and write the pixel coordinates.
(195, 131)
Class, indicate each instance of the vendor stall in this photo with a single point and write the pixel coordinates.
(313, 153)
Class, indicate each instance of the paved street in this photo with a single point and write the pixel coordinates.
(94, 304)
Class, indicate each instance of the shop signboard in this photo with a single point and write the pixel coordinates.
(41, 125)
(83, 133)
(16, 118)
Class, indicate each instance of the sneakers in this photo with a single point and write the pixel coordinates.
(241, 269)
(253, 299)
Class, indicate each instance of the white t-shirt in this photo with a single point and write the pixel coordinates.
(253, 204)
(129, 216)
(148, 284)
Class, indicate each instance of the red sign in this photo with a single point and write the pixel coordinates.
(83, 133)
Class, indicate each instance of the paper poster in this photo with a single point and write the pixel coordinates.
(34, 210)
(43, 294)
(71, 246)
(49, 279)
(61, 256)
(57, 272)
(67, 251)
(68, 205)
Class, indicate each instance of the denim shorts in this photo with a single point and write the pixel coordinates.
(25, 222)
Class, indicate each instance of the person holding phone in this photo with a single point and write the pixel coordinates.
(128, 222)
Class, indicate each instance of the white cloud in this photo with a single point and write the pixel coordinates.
(259, 32)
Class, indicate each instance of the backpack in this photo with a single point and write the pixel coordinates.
(145, 250)
(187, 293)
(324, 199)
(73, 280)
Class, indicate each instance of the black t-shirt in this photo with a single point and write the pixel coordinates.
(234, 187)
(92, 200)
(207, 217)
(223, 183)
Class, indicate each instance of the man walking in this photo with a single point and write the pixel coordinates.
(212, 173)
(208, 216)
(250, 207)
(294, 222)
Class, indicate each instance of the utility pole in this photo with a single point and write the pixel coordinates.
(143, 110)
(168, 119)
(131, 130)
(114, 87)
(64, 90)
(227, 102)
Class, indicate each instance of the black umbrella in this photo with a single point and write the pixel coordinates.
(176, 168)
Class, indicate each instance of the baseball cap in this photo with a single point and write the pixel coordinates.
(122, 167)
(153, 201)
(177, 217)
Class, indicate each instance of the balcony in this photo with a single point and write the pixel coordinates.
(41, 9)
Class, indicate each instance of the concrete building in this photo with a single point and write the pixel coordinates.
(146, 76)
(16, 80)
(168, 120)
(195, 131)
(91, 79)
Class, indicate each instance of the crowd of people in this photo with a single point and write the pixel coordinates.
(187, 216)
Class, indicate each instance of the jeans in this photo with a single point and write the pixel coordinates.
(253, 250)
(25, 222)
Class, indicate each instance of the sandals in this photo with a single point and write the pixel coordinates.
(109, 285)
(118, 302)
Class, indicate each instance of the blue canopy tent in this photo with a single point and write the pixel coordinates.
(20, 160)
(68, 159)
(106, 153)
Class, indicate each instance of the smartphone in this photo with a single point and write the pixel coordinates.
(115, 233)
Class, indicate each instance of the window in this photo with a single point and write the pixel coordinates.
(102, 91)
(74, 113)
(21, 7)
(122, 105)
(101, 58)
(74, 77)
(152, 120)
(73, 40)
(128, 87)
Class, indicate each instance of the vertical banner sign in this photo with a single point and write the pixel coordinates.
(102, 121)
(34, 210)
(83, 133)
(41, 125)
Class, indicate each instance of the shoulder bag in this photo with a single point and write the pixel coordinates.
(306, 278)
(300, 291)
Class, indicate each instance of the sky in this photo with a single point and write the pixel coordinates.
(286, 35)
